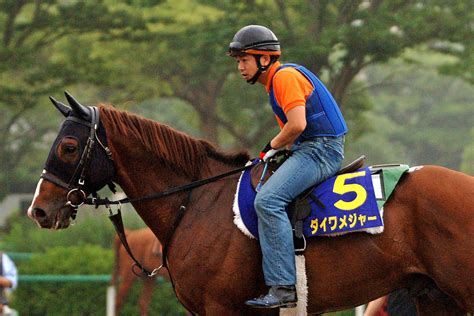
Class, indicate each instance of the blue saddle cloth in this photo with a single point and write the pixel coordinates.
(349, 205)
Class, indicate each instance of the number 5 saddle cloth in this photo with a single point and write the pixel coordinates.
(347, 202)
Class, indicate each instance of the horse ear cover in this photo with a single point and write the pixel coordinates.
(77, 108)
(63, 108)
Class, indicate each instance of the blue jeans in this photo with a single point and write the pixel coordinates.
(311, 162)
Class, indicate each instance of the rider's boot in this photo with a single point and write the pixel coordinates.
(278, 296)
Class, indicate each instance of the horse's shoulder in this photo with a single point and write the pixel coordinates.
(437, 173)
(434, 180)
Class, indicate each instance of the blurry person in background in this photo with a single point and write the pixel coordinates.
(8, 282)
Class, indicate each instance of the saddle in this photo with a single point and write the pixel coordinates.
(299, 209)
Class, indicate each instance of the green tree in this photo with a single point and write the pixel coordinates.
(467, 164)
(58, 298)
(335, 39)
(420, 118)
(80, 298)
(35, 64)
(132, 52)
(91, 228)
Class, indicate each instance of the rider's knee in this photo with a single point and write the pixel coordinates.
(264, 202)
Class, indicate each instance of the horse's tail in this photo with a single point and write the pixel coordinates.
(116, 247)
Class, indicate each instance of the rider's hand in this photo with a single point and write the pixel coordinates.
(268, 152)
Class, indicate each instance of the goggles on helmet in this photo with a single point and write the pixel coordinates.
(237, 49)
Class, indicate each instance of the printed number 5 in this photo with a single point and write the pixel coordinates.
(340, 187)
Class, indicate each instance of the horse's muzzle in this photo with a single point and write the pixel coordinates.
(40, 216)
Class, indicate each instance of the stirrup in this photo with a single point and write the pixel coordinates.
(301, 249)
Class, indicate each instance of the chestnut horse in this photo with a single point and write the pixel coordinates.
(427, 245)
(147, 249)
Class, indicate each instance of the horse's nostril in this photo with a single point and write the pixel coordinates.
(38, 213)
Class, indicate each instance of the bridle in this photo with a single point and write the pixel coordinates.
(76, 194)
(75, 185)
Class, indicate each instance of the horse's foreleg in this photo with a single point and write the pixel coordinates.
(147, 293)
(122, 292)
(437, 303)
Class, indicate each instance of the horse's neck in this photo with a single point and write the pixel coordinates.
(140, 174)
(150, 158)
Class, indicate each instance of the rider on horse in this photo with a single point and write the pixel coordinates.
(312, 126)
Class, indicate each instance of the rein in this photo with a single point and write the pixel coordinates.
(97, 201)
(75, 187)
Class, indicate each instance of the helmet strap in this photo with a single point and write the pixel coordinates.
(260, 69)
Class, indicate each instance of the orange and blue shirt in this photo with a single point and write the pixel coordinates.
(292, 85)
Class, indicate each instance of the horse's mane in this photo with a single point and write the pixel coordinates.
(185, 154)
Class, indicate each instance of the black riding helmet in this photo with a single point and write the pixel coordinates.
(256, 40)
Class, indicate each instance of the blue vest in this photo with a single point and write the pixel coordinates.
(323, 117)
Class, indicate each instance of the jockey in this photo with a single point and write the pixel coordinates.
(312, 127)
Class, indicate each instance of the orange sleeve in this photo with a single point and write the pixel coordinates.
(291, 88)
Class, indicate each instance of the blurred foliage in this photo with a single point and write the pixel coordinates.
(80, 298)
(41, 53)
(420, 118)
(171, 111)
(467, 164)
(133, 53)
(64, 298)
(84, 248)
(91, 228)
(163, 302)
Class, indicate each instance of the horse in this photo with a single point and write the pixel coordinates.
(146, 248)
(427, 245)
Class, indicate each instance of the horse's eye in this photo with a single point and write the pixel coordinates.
(68, 149)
